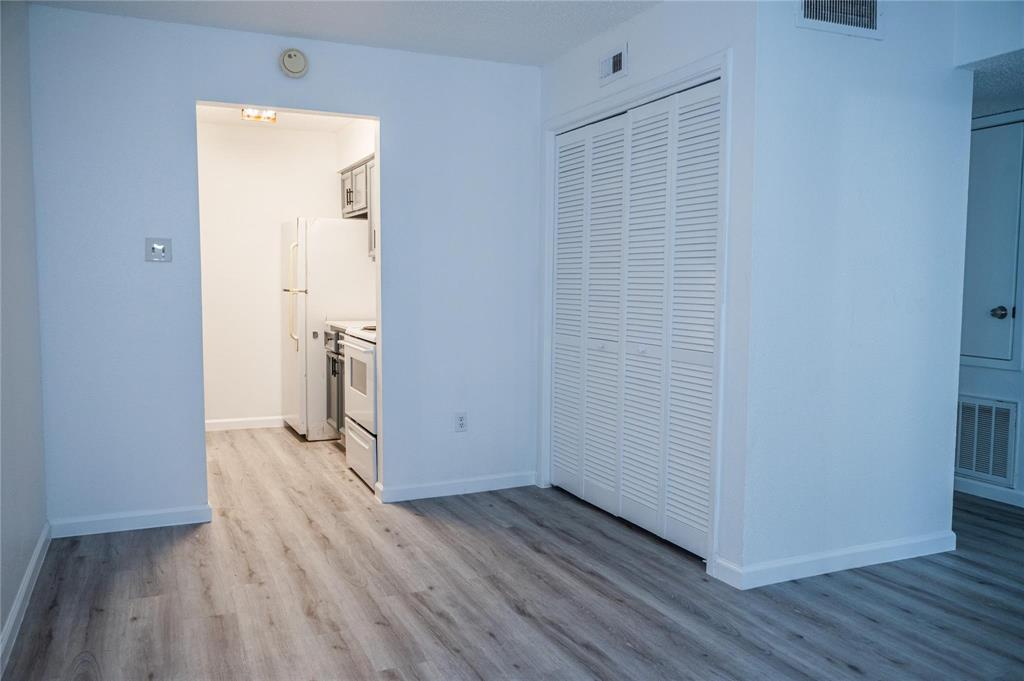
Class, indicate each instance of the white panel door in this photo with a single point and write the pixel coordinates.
(605, 269)
(567, 362)
(696, 257)
(993, 215)
(643, 413)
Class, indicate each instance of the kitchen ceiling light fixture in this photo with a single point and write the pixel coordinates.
(263, 115)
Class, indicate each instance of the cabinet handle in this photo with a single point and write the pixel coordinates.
(999, 312)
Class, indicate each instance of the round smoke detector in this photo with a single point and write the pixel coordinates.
(294, 63)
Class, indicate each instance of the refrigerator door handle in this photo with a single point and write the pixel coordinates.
(291, 264)
(291, 320)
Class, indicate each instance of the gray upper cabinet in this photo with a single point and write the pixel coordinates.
(359, 192)
(354, 189)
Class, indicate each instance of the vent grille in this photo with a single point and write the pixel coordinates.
(986, 440)
(853, 13)
(613, 66)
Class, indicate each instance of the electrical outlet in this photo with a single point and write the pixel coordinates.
(461, 424)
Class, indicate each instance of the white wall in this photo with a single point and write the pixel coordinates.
(845, 243)
(459, 251)
(668, 37)
(23, 494)
(253, 178)
(987, 28)
(860, 207)
(355, 142)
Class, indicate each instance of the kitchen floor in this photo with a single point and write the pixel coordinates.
(302, 575)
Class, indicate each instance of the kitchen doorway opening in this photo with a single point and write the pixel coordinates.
(289, 213)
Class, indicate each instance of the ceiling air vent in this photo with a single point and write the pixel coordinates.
(612, 66)
(986, 440)
(850, 17)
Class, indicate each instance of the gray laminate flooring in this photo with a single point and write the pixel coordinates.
(302, 575)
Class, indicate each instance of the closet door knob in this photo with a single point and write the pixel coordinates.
(999, 312)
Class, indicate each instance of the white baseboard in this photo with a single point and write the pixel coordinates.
(135, 520)
(487, 483)
(770, 572)
(12, 624)
(244, 424)
(986, 491)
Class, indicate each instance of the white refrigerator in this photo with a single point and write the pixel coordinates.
(327, 274)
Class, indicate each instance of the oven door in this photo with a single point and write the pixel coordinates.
(360, 377)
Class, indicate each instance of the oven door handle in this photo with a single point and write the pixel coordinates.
(368, 349)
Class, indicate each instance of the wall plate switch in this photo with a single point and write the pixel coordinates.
(158, 249)
(461, 423)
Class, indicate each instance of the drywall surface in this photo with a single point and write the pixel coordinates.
(355, 141)
(459, 250)
(860, 207)
(986, 29)
(252, 179)
(23, 492)
(669, 38)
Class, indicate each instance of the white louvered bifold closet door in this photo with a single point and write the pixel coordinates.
(567, 348)
(636, 305)
(693, 330)
(643, 412)
(606, 205)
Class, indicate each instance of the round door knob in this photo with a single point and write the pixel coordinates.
(999, 312)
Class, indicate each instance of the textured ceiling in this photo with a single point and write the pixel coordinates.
(999, 84)
(520, 32)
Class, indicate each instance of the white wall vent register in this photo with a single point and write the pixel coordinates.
(850, 17)
(986, 440)
(613, 66)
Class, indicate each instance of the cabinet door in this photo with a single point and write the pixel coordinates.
(346, 193)
(605, 269)
(643, 412)
(359, 189)
(990, 268)
(567, 351)
(371, 210)
(693, 315)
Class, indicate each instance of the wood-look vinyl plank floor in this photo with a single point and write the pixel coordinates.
(302, 575)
